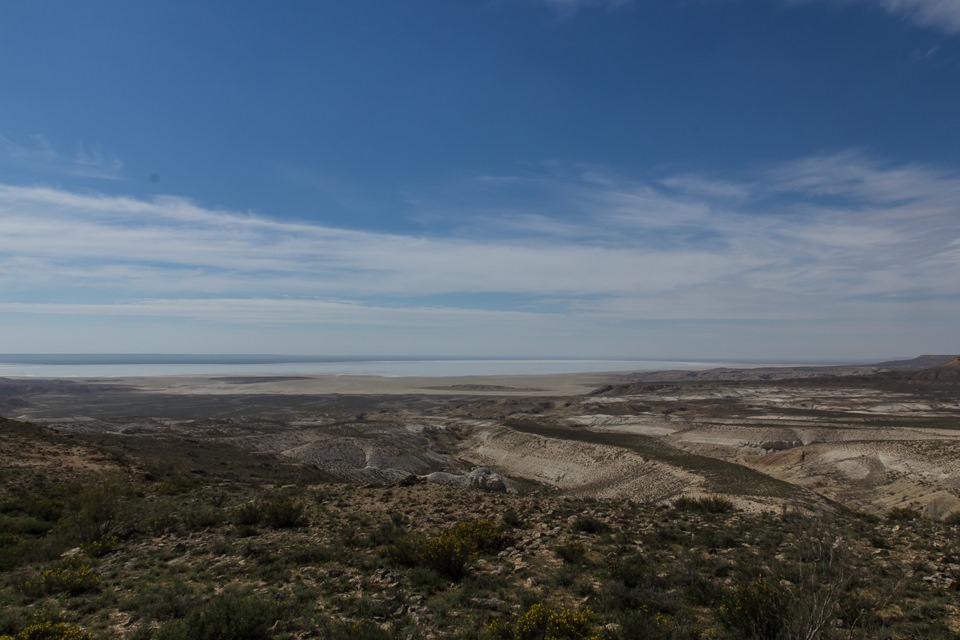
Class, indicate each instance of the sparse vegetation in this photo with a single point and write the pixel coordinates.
(450, 551)
(755, 610)
(572, 552)
(48, 630)
(226, 557)
(279, 512)
(903, 513)
(71, 575)
(704, 504)
(541, 622)
(589, 524)
(229, 616)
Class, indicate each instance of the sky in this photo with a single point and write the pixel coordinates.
(703, 179)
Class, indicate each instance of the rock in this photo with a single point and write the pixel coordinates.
(441, 477)
(384, 577)
(486, 480)
(488, 603)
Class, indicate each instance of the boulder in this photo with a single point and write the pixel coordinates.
(486, 480)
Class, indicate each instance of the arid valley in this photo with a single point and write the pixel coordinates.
(569, 473)
(769, 438)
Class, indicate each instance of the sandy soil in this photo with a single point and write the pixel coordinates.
(578, 468)
(541, 385)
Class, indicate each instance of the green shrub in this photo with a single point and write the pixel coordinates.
(12, 619)
(202, 517)
(93, 509)
(385, 533)
(405, 550)
(248, 514)
(512, 519)
(755, 611)
(310, 553)
(24, 524)
(230, 616)
(572, 552)
(283, 512)
(900, 514)
(10, 540)
(640, 624)
(355, 630)
(162, 601)
(706, 504)
(175, 483)
(632, 570)
(30, 550)
(590, 524)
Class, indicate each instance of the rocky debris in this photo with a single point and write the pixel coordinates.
(480, 478)
(778, 445)
(493, 604)
(944, 580)
(486, 480)
(385, 578)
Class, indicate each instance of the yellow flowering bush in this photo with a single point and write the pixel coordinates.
(10, 540)
(71, 576)
(484, 533)
(50, 631)
(541, 622)
(449, 552)
(101, 547)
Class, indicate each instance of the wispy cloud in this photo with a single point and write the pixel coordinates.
(572, 7)
(38, 155)
(833, 238)
(941, 15)
(277, 311)
(919, 55)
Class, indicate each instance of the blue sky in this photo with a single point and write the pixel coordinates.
(692, 179)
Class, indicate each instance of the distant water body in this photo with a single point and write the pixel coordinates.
(109, 366)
